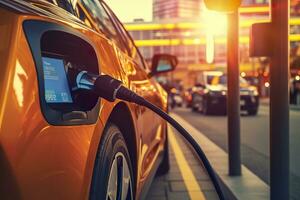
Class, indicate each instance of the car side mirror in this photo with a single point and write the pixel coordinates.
(162, 63)
(223, 5)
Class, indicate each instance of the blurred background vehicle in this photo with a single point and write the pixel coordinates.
(175, 98)
(295, 90)
(209, 95)
(188, 97)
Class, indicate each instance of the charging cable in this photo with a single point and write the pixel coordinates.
(111, 89)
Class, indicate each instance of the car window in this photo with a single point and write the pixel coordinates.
(66, 5)
(217, 80)
(221, 80)
(82, 16)
(103, 21)
(133, 51)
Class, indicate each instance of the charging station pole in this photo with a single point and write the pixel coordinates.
(279, 101)
(233, 94)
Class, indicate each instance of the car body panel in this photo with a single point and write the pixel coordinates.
(56, 162)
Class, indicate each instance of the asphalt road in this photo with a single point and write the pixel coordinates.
(254, 139)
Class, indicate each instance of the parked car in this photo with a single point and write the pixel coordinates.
(58, 142)
(188, 97)
(209, 95)
(295, 90)
(175, 98)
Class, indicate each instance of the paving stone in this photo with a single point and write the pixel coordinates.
(157, 192)
(178, 196)
(210, 195)
(206, 186)
(179, 186)
(157, 197)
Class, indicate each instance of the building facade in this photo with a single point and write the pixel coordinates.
(183, 9)
(195, 40)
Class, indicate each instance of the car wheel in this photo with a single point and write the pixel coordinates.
(252, 111)
(196, 103)
(224, 112)
(112, 176)
(205, 109)
(194, 108)
(165, 164)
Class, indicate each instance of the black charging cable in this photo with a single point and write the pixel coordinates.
(111, 89)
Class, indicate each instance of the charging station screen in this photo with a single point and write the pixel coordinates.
(57, 89)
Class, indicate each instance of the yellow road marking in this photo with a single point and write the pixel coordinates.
(189, 179)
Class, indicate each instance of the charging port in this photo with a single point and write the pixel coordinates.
(59, 53)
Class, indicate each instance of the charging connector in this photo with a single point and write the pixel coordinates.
(111, 89)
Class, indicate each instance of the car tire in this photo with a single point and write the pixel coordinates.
(195, 103)
(224, 112)
(252, 112)
(205, 108)
(194, 109)
(112, 165)
(164, 166)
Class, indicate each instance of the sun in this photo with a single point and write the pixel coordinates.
(214, 23)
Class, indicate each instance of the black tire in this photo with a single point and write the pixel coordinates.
(205, 108)
(164, 167)
(173, 105)
(252, 112)
(224, 112)
(194, 109)
(112, 144)
(194, 103)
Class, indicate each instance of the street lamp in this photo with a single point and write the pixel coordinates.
(233, 94)
(215, 23)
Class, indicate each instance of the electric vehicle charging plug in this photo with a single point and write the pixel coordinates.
(111, 89)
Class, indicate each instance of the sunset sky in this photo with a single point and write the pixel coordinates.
(127, 10)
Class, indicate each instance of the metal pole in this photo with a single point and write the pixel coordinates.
(233, 98)
(279, 101)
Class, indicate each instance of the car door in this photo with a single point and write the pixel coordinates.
(151, 131)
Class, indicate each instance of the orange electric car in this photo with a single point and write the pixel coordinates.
(61, 142)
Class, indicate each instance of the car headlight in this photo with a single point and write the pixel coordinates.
(245, 92)
(217, 93)
(206, 91)
(254, 92)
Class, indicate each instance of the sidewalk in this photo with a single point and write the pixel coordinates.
(186, 179)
